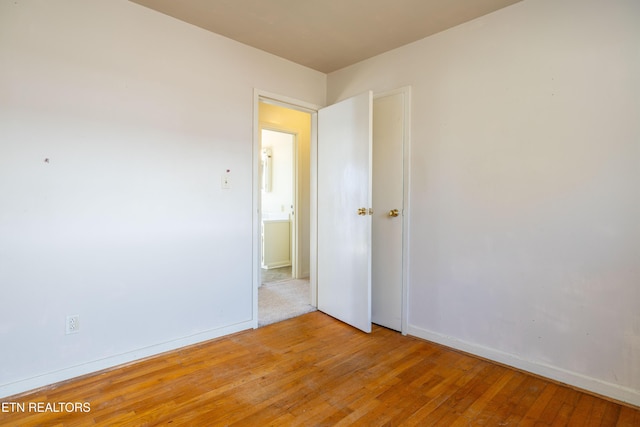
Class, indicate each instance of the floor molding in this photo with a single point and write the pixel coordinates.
(48, 378)
(583, 382)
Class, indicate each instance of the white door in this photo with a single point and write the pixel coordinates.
(388, 201)
(344, 188)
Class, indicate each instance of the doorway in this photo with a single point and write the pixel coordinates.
(401, 102)
(278, 198)
(284, 136)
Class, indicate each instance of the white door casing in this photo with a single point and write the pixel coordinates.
(344, 185)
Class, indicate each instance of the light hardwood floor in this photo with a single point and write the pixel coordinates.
(315, 371)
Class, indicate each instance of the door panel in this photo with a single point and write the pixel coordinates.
(388, 188)
(344, 185)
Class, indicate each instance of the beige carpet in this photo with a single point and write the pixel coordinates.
(275, 274)
(283, 300)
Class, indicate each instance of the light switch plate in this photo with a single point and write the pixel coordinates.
(226, 180)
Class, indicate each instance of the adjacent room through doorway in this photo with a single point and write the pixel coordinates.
(284, 290)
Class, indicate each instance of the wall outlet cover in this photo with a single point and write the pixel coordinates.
(73, 324)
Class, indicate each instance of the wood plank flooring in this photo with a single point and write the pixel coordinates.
(314, 371)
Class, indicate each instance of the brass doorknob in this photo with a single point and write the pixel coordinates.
(394, 212)
(362, 211)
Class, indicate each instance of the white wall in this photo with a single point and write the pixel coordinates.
(126, 224)
(525, 197)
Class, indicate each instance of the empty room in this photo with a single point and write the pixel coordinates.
(465, 214)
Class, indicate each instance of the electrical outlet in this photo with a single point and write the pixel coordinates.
(73, 324)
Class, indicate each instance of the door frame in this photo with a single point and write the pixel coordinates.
(312, 109)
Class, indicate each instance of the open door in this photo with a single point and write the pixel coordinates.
(344, 190)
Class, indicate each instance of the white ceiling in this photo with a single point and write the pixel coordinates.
(325, 35)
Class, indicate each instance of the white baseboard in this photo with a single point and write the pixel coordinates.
(276, 264)
(32, 383)
(594, 385)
